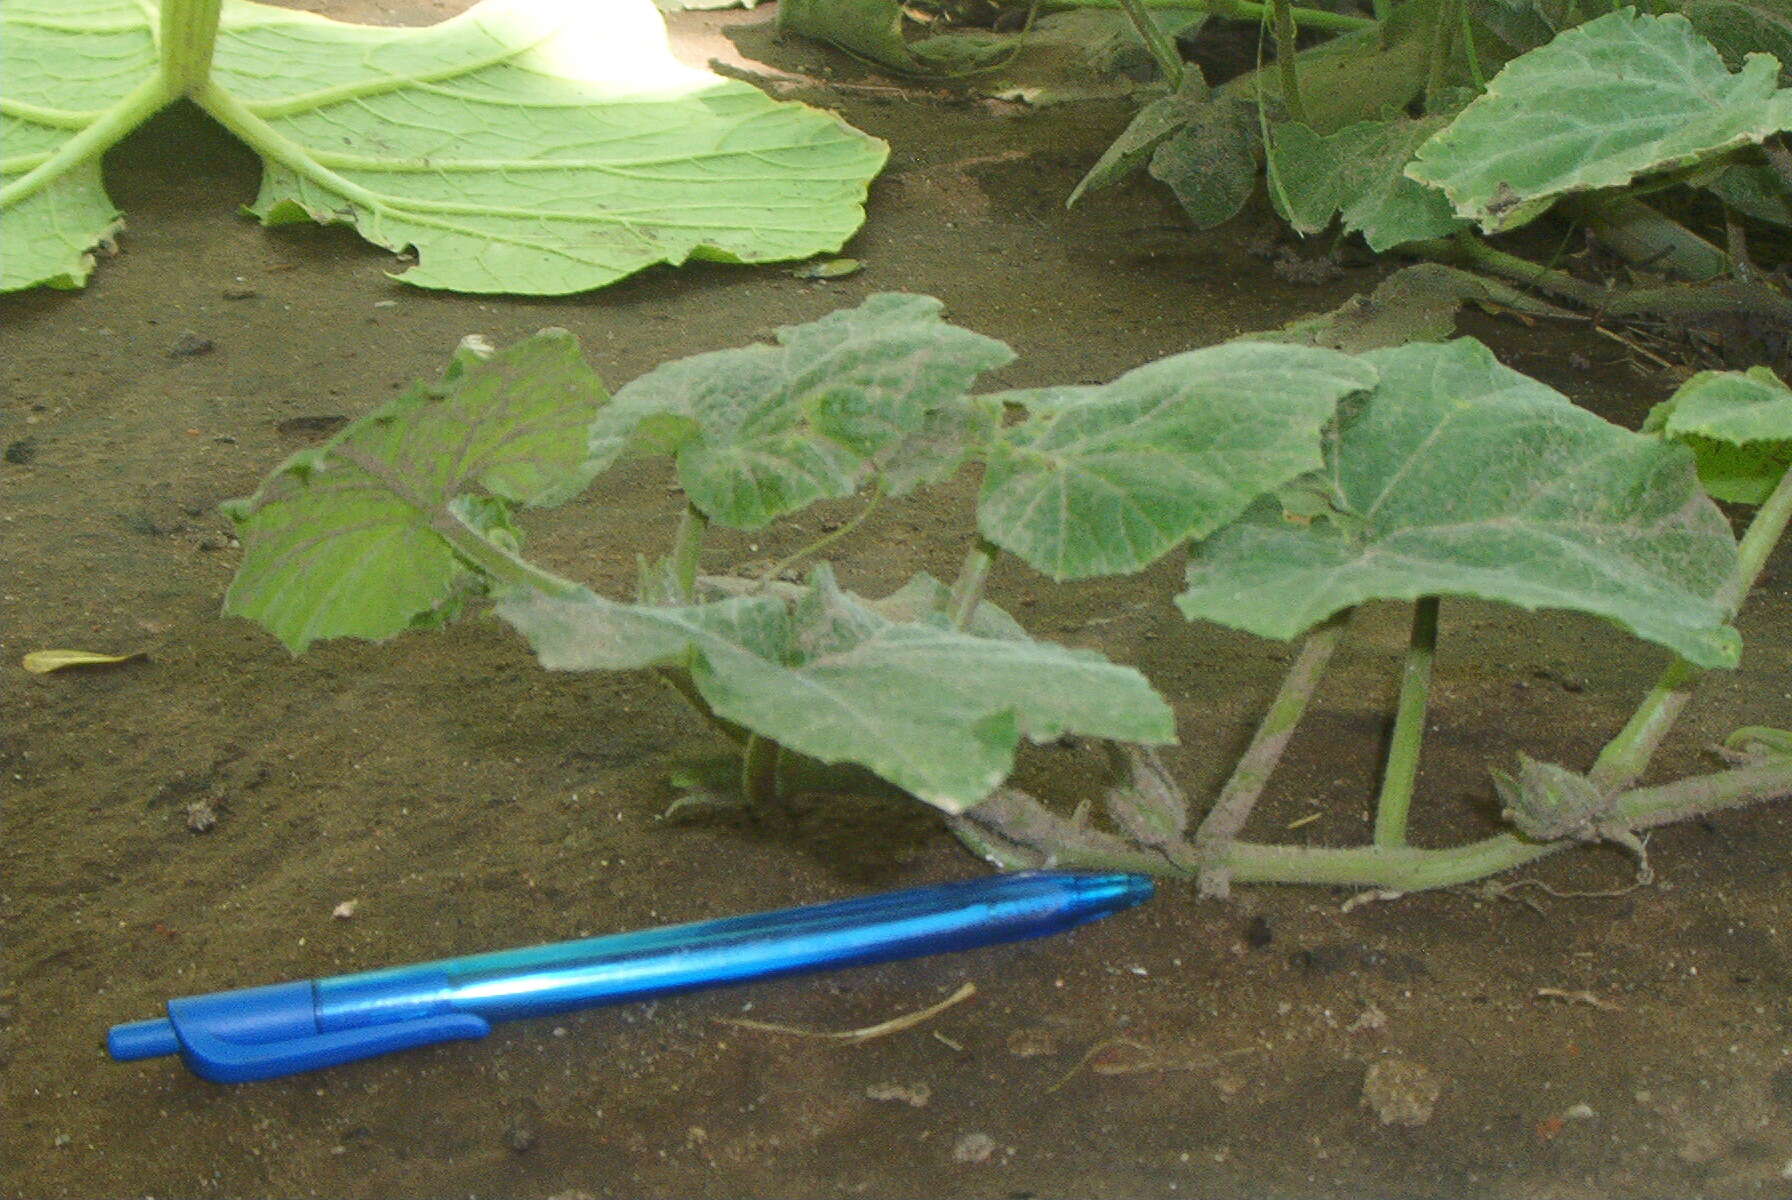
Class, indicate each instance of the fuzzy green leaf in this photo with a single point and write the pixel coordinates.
(53, 207)
(1103, 480)
(1358, 171)
(936, 711)
(1738, 424)
(519, 147)
(1620, 97)
(1458, 476)
(341, 540)
(762, 431)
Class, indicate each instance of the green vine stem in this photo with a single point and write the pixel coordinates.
(1443, 38)
(1402, 769)
(967, 589)
(821, 543)
(1029, 836)
(759, 769)
(1627, 755)
(1286, 67)
(687, 549)
(1234, 10)
(1643, 237)
(1226, 819)
(188, 35)
(1169, 62)
(1674, 300)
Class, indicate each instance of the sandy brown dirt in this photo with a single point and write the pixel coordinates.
(467, 800)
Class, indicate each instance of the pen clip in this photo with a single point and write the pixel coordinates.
(262, 1032)
(212, 1057)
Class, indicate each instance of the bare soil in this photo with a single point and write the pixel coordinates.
(1632, 1044)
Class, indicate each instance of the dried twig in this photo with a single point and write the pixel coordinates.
(855, 1036)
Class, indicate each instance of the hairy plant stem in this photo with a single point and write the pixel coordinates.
(1398, 868)
(1627, 755)
(1779, 158)
(759, 769)
(1443, 38)
(189, 33)
(1169, 62)
(1684, 301)
(1644, 238)
(1402, 768)
(687, 549)
(821, 543)
(1236, 10)
(1226, 819)
(1286, 67)
(967, 589)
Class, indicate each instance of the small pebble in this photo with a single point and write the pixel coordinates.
(345, 910)
(915, 1095)
(1400, 1091)
(973, 1148)
(201, 816)
(191, 345)
(1578, 1112)
(1032, 1043)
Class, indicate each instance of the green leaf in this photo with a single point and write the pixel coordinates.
(1606, 102)
(1738, 424)
(1754, 191)
(1150, 128)
(934, 710)
(1359, 171)
(761, 432)
(57, 113)
(1458, 476)
(519, 147)
(343, 540)
(1210, 163)
(1103, 480)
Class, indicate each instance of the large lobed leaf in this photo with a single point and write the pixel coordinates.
(1459, 476)
(1738, 424)
(934, 710)
(762, 431)
(1103, 480)
(522, 146)
(1623, 96)
(341, 540)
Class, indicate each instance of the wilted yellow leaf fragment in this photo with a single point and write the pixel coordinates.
(42, 662)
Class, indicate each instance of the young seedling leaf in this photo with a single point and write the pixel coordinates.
(1151, 128)
(1458, 476)
(345, 539)
(1617, 98)
(934, 710)
(1210, 162)
(762, 431)
(1103, 480)
(1358, 171)
(519, 147)
(1738, 424)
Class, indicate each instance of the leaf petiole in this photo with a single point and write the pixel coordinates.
(1402, 769)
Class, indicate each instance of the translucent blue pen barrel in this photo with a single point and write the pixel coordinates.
(655, 962)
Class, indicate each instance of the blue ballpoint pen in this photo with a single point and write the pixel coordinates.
(282, 1028)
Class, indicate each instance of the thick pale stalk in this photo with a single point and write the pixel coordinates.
(189, 34)
(1402, 768)
(1226, 819)
(687, 549)
(967, 589)
(1286, 66)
